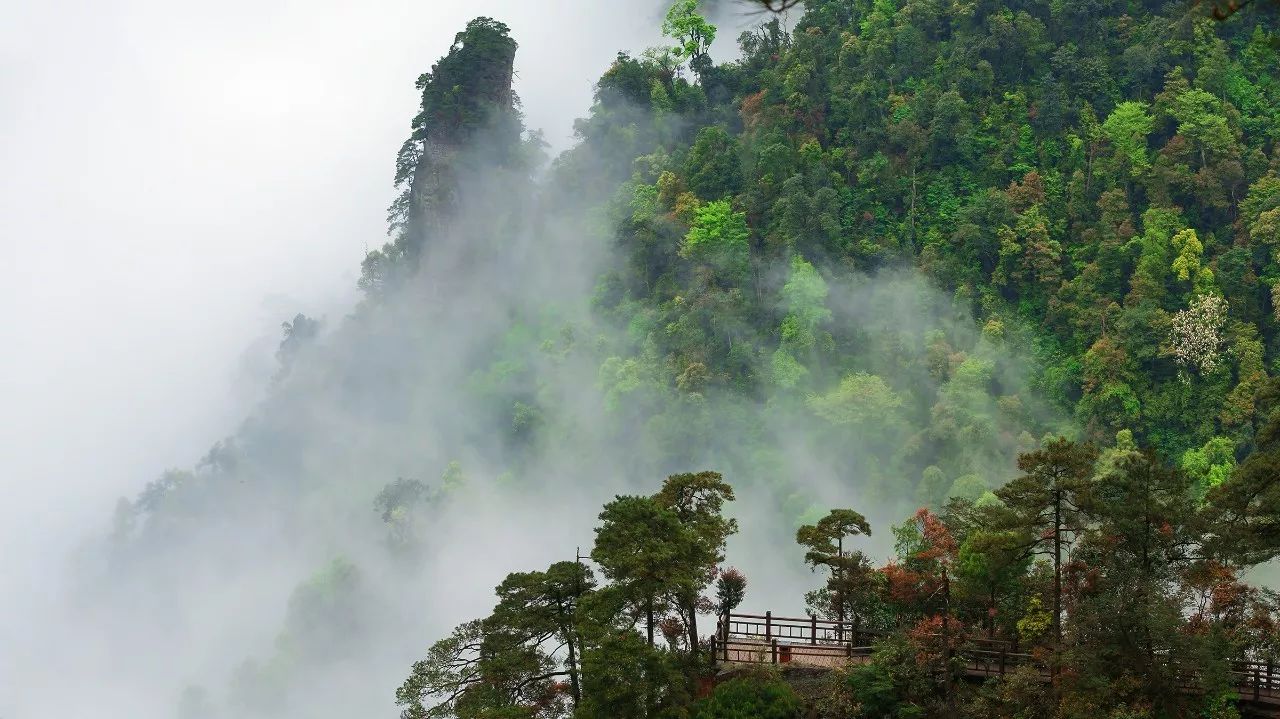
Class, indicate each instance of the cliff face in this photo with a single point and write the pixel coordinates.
(468, 121)
(465, 150)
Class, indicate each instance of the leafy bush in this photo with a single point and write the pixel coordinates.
(750, 698)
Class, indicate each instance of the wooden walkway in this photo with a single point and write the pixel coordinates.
(821, 643)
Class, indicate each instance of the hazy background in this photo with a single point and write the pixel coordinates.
(174, 183)
(177, 180)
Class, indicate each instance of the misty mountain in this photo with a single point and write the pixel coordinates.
(870, 261)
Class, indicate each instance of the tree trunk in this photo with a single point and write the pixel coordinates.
(1146, 586)
(567, 629)
(913, 204)
(946, 636)
(693, 627)
(648, 612)
(574, 688)
(1057, 568)
(1057, 587)
(991, 612)
(839, 572)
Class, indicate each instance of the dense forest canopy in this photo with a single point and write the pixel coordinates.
(1010, 270)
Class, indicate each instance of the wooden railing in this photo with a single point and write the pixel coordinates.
(765, 638)
(1257, 681)
(790, 629)
(768, 639)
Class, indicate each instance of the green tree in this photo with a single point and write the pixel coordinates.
(1142, 540)
(1187, 265)
(692, 33)
(713, 167)
(1044, 502)
(627, 678)
(991, 561)
(719, 238)
(325, 611)
(697, 500)
(400, 504)
(750, 698)
(508, 664)
(1210, 465)
(1127, 128)
(466, 93)
(640, 545)
(804, 296)
(543, 606)
(849, 580)
(860, 400)
(1245, 508)
(450, 675)
(1200, 118)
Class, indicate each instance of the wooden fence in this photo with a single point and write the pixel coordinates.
(809, 641)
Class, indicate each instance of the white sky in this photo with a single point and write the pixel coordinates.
(176, 179)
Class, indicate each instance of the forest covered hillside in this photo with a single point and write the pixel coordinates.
(1009, 270)
(1090, 183)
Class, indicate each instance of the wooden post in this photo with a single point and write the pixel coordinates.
(715, 641)
(723, 626)
(857, 628)
(1257, 683)
(773, 650)
(1002, 659)
(813, 628)
(768, 625)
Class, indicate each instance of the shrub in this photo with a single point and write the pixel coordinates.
(750, 698)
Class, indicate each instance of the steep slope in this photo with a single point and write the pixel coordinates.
(876, 257)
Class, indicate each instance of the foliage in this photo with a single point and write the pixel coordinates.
(327, 616)
(1246, 508)
(731, 589)
(1142, 602)
(297, 334)
(691, 31)
(850, 583)
(1046, 505)
(1083, 199)
(1127, 127)
(892, 685)
(718, 237)
(507, 664)
(750, 699)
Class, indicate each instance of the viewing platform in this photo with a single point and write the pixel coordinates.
(746, 639)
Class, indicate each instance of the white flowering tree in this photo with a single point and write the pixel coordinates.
(1197, 333)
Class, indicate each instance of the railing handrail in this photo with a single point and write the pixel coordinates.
(832, 630)
(798, 620)
(1253, 678)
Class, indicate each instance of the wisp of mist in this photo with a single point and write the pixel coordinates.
(221, 593)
